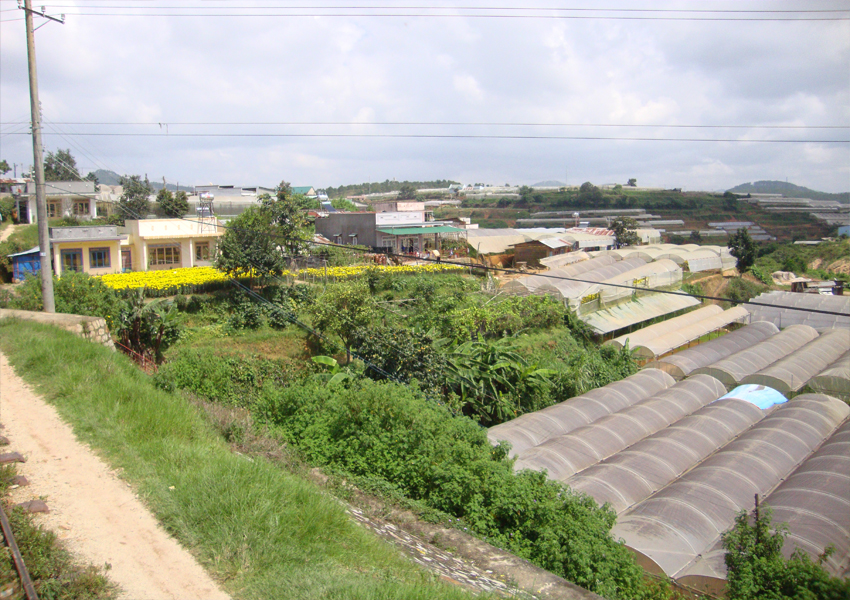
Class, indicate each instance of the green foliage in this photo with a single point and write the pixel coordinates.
(248, 246)
(404, 354)
(61, 166)
(495, 383)
(226, 379)
(134, 203)
(590, 369)
(390, 432)
(4, 167)
(286, 211)
(761, 275)
(74, 293)
(694, 289)
(172, 205)
(508, 317)
(741, 290)
(625, 233)
(54, 571)
(148, 328)
(406, 192)
(344, 309)
(384, 186)
(742, 247)
(757, 570)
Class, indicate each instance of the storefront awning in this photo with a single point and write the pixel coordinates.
(421, 230)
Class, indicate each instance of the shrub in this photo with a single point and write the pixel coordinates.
(391, 432)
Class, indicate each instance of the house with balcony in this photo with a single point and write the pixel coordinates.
(63, 199)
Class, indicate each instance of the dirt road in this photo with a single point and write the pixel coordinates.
(91, 509)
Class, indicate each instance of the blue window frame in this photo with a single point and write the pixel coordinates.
(99, 258)
(72, 260)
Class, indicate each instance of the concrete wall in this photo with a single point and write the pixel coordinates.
(93, 329)
(345, 224)
(84, 247)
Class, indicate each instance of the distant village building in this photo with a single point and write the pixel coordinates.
(396, 231)
(63, 199)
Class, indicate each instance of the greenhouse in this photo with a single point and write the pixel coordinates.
(664, 274)
(535, 428)
(835, 379)
(562, 260)
(565, 455)
(790, 374)
(779, 313)
(645, 308)
(702, 260)
(690, 332)
(685, 519)
(683, 363)
(813, 501)
(641, 336)
(634, 474)
(577, 289)
(733, 369)
(532, 283)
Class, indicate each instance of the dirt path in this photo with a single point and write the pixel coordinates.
(4, 235)
(91, 509)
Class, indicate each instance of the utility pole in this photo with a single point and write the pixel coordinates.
(38, 165)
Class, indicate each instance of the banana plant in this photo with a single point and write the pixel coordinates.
(334, 374)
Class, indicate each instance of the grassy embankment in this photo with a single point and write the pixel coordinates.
(261, 532)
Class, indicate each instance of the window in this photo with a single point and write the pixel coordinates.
(99, 258)
(388, 242)
(81, 208)
(72, 260)
(163, 255)
(53, 210)
(202, 250)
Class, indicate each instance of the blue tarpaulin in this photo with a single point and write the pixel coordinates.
(760, 395)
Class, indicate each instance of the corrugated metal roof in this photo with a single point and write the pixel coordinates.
(421, 230)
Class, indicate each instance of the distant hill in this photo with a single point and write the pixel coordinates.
(549, 183)
(789, 190)
(113, 178)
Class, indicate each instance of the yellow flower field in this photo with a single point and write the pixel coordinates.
(175, 280)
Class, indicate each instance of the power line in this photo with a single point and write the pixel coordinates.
(446, 123)
(459, 136)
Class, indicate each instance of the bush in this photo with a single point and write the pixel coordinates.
(741, 290)
(73, 293)
(391, 432)
(761, 275)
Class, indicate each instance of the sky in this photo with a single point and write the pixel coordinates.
(334, 92)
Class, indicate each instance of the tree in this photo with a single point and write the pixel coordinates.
(343, 310)
(4, 167)
(757, 569)
(589, 194)
(625, 231)
(93, 178)
(287, 211)
(632, 182)
(134, 203)
(406, 192)
(60, 166)
(172, 205)
(249, 245)
(696, 236)
(743, 247)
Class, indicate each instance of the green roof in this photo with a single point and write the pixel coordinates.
(418, 230)
(303, 189)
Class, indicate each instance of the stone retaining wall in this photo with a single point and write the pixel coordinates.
(93, 329)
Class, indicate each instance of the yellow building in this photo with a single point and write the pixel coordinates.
(142, 245)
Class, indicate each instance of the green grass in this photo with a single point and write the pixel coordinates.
(54, 571)
(261, 532)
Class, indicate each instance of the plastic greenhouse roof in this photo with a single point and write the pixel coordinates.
(689, 332)
(683, 363)
(530, 284)
(562, 260)
(634, 474)
(535, 428)
(565, 455)
(813, 501)
(733, 369)
(761, 396)
(782, 317)
(835, 379)
(642, 336)
(576, 289)
(683, 520)
(790, 374)
(659, 274)
(643, 309)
